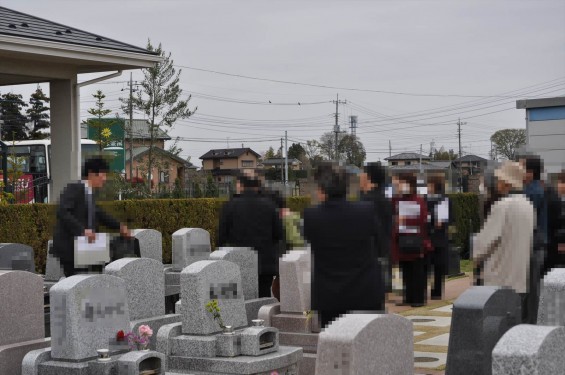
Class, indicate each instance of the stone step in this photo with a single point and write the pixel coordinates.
(308, 341)
(287, 322)
(284, 358)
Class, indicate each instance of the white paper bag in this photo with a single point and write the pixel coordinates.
(96, 253)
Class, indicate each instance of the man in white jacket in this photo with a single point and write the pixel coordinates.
(504, 245)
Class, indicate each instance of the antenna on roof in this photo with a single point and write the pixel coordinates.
(242, 146)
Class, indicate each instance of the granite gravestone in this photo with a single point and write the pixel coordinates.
(53, 269)
(366, 344)
(150, 243)
(145, 285)
(208, 280)
(190, 245)
(481, 315)
(21, 318)
(16, 256)
(87, 311)
(529, 349)
(551, 310)
(294, 270)
(247, 260)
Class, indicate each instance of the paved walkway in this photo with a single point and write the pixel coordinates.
(431, 325)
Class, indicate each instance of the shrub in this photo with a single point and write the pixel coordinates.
(33, 224)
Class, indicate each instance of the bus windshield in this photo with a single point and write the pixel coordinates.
(27, 159)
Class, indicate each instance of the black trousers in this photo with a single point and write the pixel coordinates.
(265, 283)
(415, 280)
(439, 261)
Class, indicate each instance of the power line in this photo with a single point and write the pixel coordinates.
(336, 87)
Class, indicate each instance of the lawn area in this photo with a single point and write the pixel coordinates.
(466, 265)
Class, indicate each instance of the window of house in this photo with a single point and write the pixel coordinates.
(247, 163)
(394, 163)
(221, 162)
(164, 177)
(408, 163)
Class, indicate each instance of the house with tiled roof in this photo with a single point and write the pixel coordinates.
(224, 164)
(406, 158)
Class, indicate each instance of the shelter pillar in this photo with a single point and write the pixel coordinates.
(65, 135)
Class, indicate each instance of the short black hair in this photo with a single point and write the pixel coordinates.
(376, 172)
(95, 165)
(411, 180)
(332, 180)
(438, 183)
(534, 164)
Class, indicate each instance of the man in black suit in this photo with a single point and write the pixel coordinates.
(78, 214)
(346, 276)
(252, 220)
(373, 190)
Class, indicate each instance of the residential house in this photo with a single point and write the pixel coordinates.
(406, 158)
(224, 164)
(278, 163)
(470, 164)
(167, 167)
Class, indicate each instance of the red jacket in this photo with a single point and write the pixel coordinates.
(420, 222)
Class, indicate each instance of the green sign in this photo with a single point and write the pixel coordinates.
(112, 131)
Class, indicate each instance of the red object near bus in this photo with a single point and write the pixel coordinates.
(22, 189)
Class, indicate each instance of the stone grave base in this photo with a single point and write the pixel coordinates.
(41, 363)
(11, 356)
(155, 323)
(252, 307)
(284, 361)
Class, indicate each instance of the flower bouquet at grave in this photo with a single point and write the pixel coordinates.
(214, 309)
(139, 340)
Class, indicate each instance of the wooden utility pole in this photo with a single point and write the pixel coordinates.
(336, 126)
(130, 127)
(459, 123)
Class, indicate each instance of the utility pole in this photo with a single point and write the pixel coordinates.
(389, 149)
(336, 126)
(459, 123)
(282, 163)
(285, 158)
(353, 122)
(421, 159)
(130, 127)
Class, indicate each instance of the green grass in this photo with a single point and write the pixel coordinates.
(466, 265)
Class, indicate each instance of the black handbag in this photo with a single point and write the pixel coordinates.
(124, 247)
(410, 244)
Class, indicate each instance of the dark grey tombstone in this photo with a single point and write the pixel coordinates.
(17, 257)
(481, 316)
(454, 261)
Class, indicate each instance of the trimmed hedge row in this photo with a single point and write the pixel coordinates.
(33, 224)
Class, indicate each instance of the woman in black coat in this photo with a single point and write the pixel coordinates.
(346, 276)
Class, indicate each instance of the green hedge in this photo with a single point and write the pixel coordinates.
(33, 224)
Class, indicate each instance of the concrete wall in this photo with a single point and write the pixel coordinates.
(546, 135)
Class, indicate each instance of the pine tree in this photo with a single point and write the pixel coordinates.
(159, 98)
(38, 114)
(14, 122)
(101, 126)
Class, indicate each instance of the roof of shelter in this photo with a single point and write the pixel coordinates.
(23, 25)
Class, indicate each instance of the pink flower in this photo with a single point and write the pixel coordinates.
(145, 330)
(274, 373)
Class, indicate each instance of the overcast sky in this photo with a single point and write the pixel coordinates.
(444, 59)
